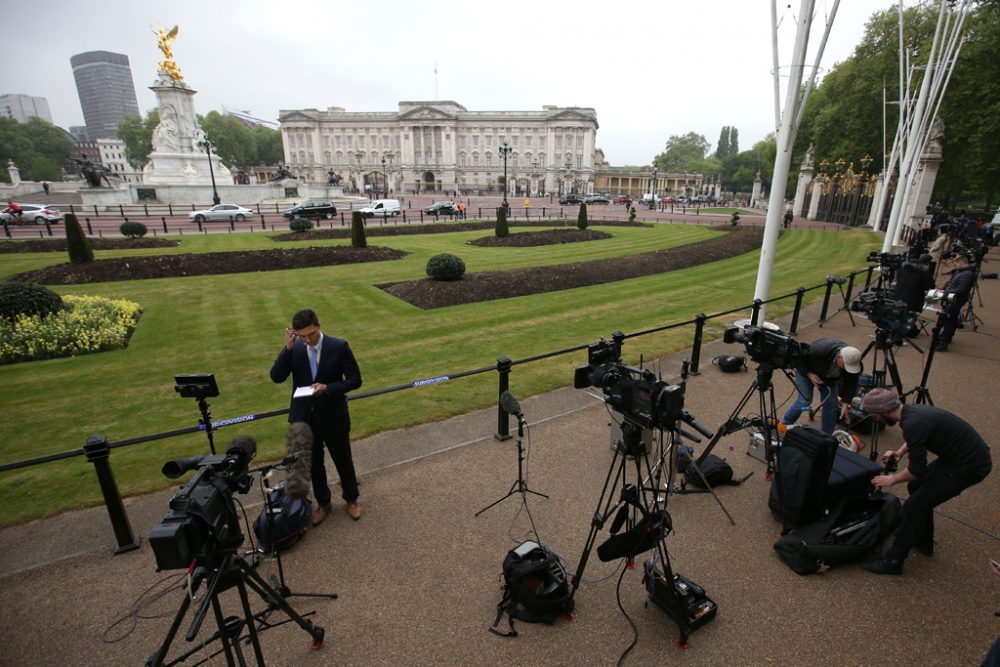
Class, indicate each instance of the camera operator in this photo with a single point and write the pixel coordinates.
(963, 460)
(832, 366)
(912, 282)
(963, 279)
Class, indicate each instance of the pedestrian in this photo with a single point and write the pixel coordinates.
(461, 210)
(45, 186)
(323, 370)
(788, 219)
(962, 460)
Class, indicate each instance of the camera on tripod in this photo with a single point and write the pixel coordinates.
(635, 393)
(937, 299)
(886, 260)
(767, 346)
(202, 523)
(886, 312)
(972, 249)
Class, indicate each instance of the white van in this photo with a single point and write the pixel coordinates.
(381, 208)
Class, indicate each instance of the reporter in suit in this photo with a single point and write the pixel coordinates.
(327, 365)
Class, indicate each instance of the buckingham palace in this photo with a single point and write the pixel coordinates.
(441, 146)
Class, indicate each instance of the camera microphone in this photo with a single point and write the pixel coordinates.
(510, 405)
(298, 448)
(840, 280)
(242, 449)
(693, 423)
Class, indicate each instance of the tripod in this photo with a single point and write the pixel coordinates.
(231, 572)
(883, 342)
(923, 393)
(270, 511)
(519, 485)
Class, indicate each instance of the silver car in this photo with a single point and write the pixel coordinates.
(224, 212)
(36, 213)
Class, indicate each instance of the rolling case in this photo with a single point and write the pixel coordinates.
(805, 460)
(851, 476)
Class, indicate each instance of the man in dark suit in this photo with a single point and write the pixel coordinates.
(325, 367)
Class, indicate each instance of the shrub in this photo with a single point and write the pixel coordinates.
(581, 218)
(133, 230)
(17, 299)
(735, 220)
(502, 230)
(445, 267)
(358, 238)
(631, 213)
(300, 225)
(80, 251)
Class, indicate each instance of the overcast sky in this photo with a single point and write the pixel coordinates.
(650, 68)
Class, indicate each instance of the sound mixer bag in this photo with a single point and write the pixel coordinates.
(289, 521)
(535, 588)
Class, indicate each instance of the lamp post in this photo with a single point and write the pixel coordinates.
(505, 150)
(385, 174)
(652, 191)
(569, 186)
(359, 160)
(207, 145)
(534, 176)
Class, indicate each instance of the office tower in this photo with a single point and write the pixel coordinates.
(23, 107)
(107, 94)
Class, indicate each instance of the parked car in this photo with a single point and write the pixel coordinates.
(571, 199)
(311, 209)
(597, 199)
(224, 212)
(622, 199)
(36, 213)
(446, 207)
(668, 200)
(381, 208)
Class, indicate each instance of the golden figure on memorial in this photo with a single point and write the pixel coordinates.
(165, 40)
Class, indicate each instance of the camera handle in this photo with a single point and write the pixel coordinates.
(206, 421)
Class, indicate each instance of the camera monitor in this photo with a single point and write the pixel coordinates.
(196, 385)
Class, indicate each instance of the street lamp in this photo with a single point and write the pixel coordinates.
(207, 145)
(359, 159)
(652, 191)
(505, 150)
(569, 186)
(385, 177)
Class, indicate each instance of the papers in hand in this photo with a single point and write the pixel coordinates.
(302, 391)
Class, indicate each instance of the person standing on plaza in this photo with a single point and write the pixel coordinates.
(962, 460)
(323, 370)
(461, 210)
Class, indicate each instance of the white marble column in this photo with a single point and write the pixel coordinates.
(817, 192)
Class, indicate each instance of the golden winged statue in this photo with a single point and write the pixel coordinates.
(165, 40)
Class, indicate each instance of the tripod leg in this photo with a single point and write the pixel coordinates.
(599, 518)
(156, 660)
(712, 491)
(261, 587)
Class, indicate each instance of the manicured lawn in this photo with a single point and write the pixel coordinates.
(232, 326)
(729, 211)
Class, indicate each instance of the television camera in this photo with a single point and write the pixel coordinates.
(886, 312)
(936, 300)
(201, 524)
(886, 260)
(635, 393)
(974, 250)
(766, 346)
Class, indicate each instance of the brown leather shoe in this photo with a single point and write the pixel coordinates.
(354, 510)
(319, 514)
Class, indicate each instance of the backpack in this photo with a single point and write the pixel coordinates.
(535, 588)
(289, 521)
(716, 471)
(730, 363)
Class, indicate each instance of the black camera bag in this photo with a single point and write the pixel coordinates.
(805, 460)
(730, 363)
(289, 521)
(535, 588)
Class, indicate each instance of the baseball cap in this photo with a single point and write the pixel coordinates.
(852, 359)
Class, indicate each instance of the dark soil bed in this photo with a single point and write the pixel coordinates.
(373, 229)
(201, 264)
(489, 285)
(59, 245)
(547, 237)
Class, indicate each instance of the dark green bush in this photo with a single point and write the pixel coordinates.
(133, 230)
(27, 299)
(358, 238)
(77, 243)
(300, 225)
(502, 230)
(631, 213)
(581, 218)
(445, 267)
(735, 220)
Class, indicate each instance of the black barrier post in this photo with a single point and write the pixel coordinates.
(755, 315)
(263, 222)
(98, 452)
(96, 214)
(164, 221)
(868, 278)
(90, 229)
(799, 293)
(121, 211)
(232, 225)
(199, 225)
(6, 229)
(826, 301)
(170, 209)
(699, 327)
(503, 423)
(146, 209)
(48, 228)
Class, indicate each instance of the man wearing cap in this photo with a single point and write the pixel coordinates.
(963, 279)
(832, 366)
(963, 460)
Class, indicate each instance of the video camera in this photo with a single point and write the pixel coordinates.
(884, 311)
(202, 524)
(973, 250)
(936, 299)
(635, 393)
(767, 346)
(886, 260)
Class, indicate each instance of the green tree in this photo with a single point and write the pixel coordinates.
(722, 148)
(268, 145)
(137, 134)
(581, 217)
(502, 231)
(734, 141)
(38, 148)
(358, 238)
(681, 152)
(232, 139)
(77, 243)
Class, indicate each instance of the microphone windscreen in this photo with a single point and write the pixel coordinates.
(510, 404)
(299, 445)
(244, 447)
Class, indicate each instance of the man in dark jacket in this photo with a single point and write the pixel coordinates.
(912, 282)
(963, 279)
(832, 366)
(963, 460)
(323, 370)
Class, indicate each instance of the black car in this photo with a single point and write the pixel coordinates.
(446, 207)
(311, 209)
(571, 199)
